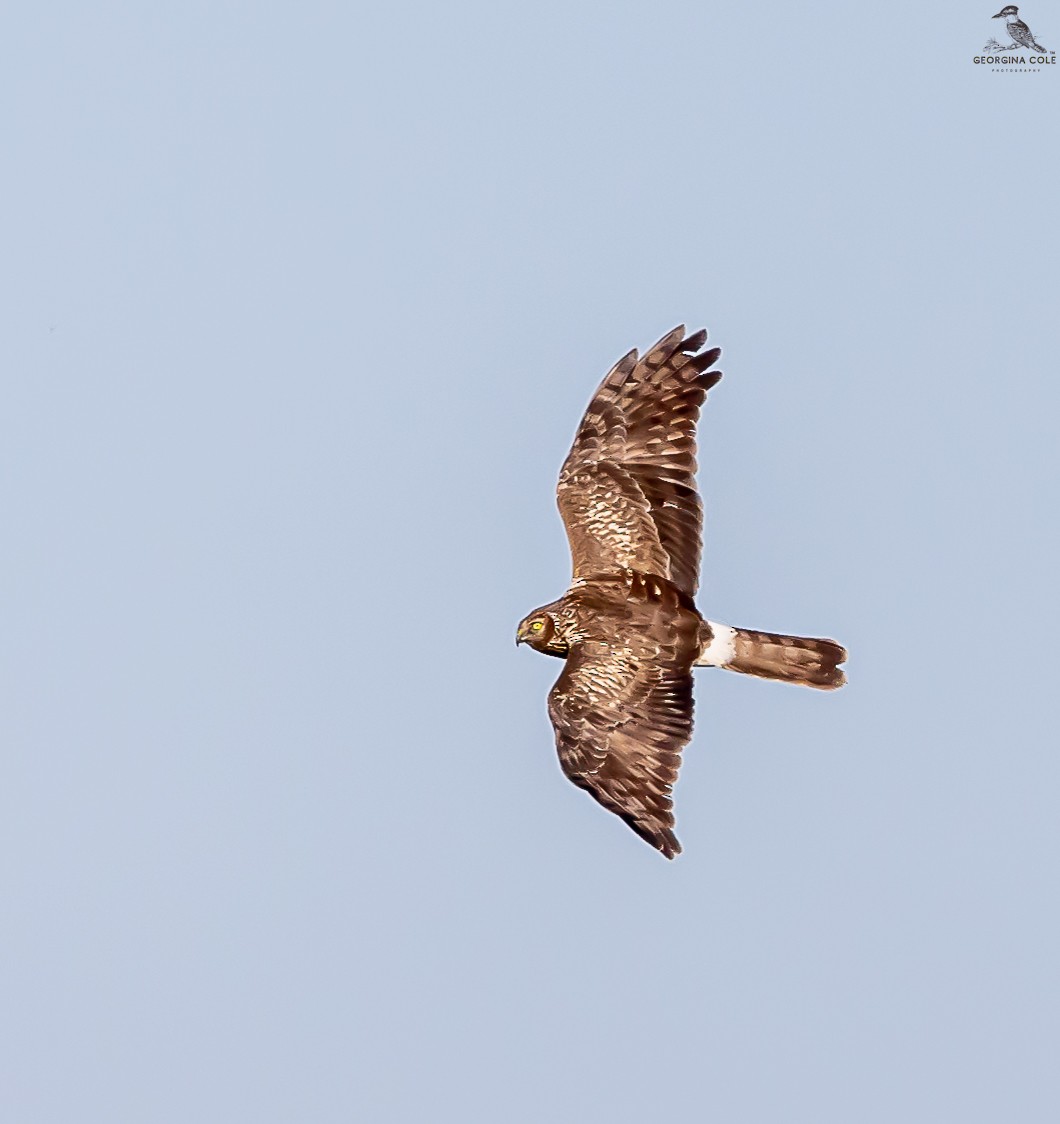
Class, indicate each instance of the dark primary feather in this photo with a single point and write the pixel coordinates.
(627, 490)
(622, 708)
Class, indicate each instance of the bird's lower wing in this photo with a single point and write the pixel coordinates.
(622, 714)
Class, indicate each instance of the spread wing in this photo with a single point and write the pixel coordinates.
(622, 712)
(627, 490)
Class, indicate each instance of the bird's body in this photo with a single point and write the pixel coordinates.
(628, 627)
(1018, 30)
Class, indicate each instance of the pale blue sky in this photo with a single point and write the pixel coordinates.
(301, 306)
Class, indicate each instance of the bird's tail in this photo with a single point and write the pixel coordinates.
(1039, 48)
(793, 659)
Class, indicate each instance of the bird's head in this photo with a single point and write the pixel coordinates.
(539, 631)
(1010, 10)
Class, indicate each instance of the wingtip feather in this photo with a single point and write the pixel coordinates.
(695, 341)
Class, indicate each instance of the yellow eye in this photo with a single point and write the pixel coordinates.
(536, 626)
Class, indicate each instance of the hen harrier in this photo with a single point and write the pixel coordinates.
(628, 626)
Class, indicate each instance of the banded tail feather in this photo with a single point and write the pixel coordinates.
(809, 661)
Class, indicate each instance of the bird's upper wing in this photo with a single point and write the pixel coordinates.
(622, 708)
(627, 490)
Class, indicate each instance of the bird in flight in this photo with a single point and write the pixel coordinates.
(628, 628)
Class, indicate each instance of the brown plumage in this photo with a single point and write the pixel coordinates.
(628, 627)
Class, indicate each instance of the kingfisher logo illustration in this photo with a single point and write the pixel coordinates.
(1023, 55)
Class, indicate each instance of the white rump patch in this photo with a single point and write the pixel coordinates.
(722, 648)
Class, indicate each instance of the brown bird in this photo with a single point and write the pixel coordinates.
(628, 627)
